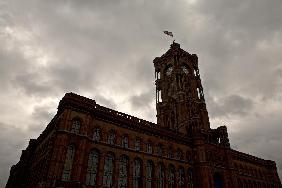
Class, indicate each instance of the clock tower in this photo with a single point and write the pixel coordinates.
(180, 99)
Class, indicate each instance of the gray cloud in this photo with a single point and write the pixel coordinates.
(260, 137)
(101, 100)
(142, 100)
(104, 50)
(230, 106)
(11, 147)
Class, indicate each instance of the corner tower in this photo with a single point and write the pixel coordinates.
(180, 101)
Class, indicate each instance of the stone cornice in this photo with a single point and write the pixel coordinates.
(237, 155)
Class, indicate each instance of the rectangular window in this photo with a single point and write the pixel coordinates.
(96, 135)
(149, 148)
(137, 144)
(75, 126)
(160, 150)
(111, 137)
(124, 141)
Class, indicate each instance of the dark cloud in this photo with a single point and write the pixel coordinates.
(101, 100)
(261, 137)
(233, 105)
(104, 50)
(141, 101)
(33, 84)
(11, 147)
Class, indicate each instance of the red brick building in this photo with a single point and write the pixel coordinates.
(88, 145)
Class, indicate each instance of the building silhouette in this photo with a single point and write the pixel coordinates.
(88, 145)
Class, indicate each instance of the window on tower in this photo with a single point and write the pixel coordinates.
(158, 74)
(159, 96)
(195, 73)
(198, 92)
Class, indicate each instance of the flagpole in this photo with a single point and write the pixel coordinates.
(169, 33)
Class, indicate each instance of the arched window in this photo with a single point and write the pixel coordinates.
(137, 173)
(137, 144)
(170, 152)
(190, 178)
(179, 154)
(161, 176)
(171, 176)
(149, 147)
(68, 163)
(160, 149)
(92, 168)
(123, 172)
(199, 93)
(124, 141)
(181, 177)
(75, 127)
(111, 137)
(149, 173)
(108, 171)
(195, 73)
(97, 135)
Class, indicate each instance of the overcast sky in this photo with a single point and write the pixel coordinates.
(104, 50)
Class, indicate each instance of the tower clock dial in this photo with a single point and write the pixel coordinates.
(168, 71)
(184, 69)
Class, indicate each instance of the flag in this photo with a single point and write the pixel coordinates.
(168, 33)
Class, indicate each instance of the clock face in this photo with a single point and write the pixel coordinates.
(169, 71)
(184, 69)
